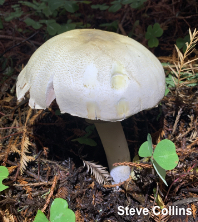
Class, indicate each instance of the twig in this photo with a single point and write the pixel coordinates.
(177, 180)
(18, 38)
(10, 127)
(177, 120)
(2, 113)
(18, 44)
(33, 184)
(10, 135)
(27, 172)
(56, 178)
(122, 21)
(133, 164)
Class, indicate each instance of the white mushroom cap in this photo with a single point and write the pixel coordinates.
(93, 74)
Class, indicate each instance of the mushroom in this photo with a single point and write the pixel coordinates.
(97, 75)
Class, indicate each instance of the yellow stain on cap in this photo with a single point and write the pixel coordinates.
(119, 80)
(122, 108)
(93, 112)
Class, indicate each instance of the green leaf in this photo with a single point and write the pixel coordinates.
(86, 2)
(71, 6)
(187, 38)
(3, 175)
(149, 139)
(66, 27)
(1, 24)
(160, 171)
(52, 26)
(55, 4)
(137, 3)
(40, 217)
(169, 81)
(165, 154)
(149, 32)
(15, 14)
(59, 211)
(157, 30)
(89, 129)
(101, 7)
(36, 6)
(111, 26)
(86, 141)
(125, 2)
(152, 33)
(145, 150)
(47, 11)
(180, 43)
(115, 7)
(34, 24)
(166, 91)
(153, 42)
(2, 2)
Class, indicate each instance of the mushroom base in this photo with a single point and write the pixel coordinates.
(116, 148)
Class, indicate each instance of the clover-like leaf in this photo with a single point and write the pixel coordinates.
(153, 42)
(3, 175)
(34, 24)
(71, 6)
(66, 27)
(160, 171)
(115, 7)
(146, 148)
(15, 14)
(181, 43)
(2, 2)
(101, 7)
(59, 211)
(165, 154)
(40, 217)
(152, 33)
(86, 141)
(52, 26)
(137, 3)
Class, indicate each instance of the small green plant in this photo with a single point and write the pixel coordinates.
(102, 7)
(18, 13)
(152, 34)
(183, 73)
(163, 158)
(117, 5)
(181, 42)
(2, 2)
(134, 3)
(110, 26)
(3, 175)
(47, 11)
(59, 212)
(84, 139)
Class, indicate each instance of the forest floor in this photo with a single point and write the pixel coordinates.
(44, 163)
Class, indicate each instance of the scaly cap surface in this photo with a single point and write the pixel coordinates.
(93, 74)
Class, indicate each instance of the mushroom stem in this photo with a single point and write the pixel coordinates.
(116, 148)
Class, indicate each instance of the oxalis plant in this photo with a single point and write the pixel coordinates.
(3, 175)
(59, 212)
(163, 157)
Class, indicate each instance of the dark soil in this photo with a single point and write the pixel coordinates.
(59, 160)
